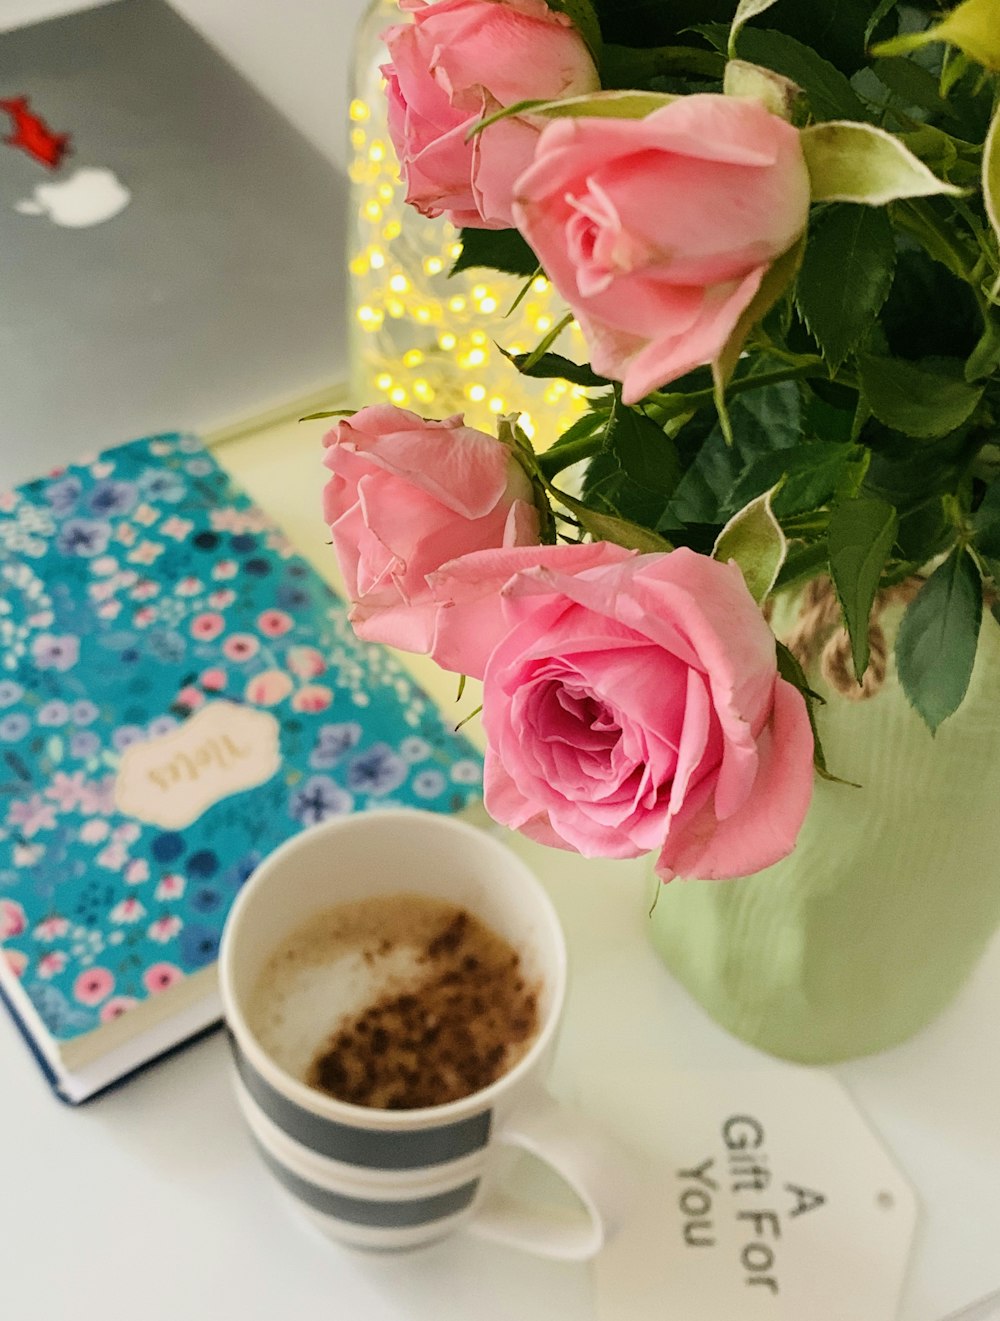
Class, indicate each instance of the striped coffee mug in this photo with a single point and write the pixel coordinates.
(393, 1179)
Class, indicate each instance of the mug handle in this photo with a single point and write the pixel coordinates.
(598, 1172)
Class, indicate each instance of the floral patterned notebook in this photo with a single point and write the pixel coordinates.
(179, 693)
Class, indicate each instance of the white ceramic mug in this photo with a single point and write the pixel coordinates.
(395, 1179)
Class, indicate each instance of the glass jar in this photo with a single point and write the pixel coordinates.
(419, 338)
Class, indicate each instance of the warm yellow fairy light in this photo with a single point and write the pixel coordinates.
(488, 305)
(433, 265)
(399, 284)
(497, 404)
(372, 211)
(359, 111)
(540, 284)
(477, 393)
(358, 138)
(543, 323)
(455, 250)
(477, 337)
(479, 291)
(384, 381)
(447, 341)
(398, 395)
(424, 315)
(476, 357)
(412, 358)
(376, 152)
(386, 192)
(422, 389)
(457, 303)
(527, 425)
(376, 259)
(395, 308)
(392, 231)
(359, 265)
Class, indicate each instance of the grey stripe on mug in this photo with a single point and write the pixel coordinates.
(379, 1215)
(371, 1148)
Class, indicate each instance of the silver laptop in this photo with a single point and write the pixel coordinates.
(171, 249)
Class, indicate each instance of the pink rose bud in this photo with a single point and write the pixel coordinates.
(405, 497)
(461, 60)
(659, 231)
(634, 705)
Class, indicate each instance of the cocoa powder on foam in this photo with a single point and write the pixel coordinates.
(465, 1020)
(395, 1001)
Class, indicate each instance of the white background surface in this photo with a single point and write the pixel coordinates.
(297, 52)
(150, 1203)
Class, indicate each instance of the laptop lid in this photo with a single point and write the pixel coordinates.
(171, 249)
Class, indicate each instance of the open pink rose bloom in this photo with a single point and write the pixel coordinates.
(631, 703)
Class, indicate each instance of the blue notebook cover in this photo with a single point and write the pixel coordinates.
(179, 693)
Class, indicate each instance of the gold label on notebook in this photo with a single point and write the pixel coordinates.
(171, 780)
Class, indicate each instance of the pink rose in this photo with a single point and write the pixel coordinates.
(405, 497)
(634, 705)
(658, 231)
(458, 61)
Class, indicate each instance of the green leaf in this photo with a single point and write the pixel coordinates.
(555, 366)
(763, 420)
(986, 523)
(938, 636)
(985, 357)
(882, 10)
(860, 536)
(792, 672)
(914, 85)
(851, 162)
(584, 18)
(918, 399)
(828, 91)
(606, 527)
(775, 92)
(331, 412)
(974, 27)
(630, 66)
(644, 451)
(745, 10)
(991, 173)
(809, 476)
(845, 278)
(754, 539)
(499, 249)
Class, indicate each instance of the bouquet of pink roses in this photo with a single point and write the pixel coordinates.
(779, 236)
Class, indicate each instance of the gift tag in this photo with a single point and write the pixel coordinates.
(766, 1197)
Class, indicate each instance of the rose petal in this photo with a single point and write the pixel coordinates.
(766, 827)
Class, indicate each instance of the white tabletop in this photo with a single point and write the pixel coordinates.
(151, 1204)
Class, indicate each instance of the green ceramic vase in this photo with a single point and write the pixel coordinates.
(869, 929)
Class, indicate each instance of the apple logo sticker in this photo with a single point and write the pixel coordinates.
(89, 196)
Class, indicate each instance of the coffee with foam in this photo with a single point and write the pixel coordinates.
(395, 1002)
